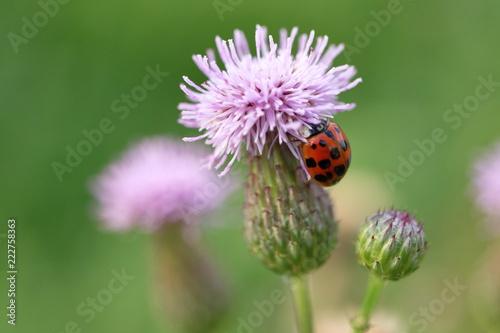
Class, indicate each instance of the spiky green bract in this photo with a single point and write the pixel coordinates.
(391, 244)
(289, 221)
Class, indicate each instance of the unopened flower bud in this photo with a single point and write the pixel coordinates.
(391, 244)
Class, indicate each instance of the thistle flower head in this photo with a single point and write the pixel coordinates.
(158, 180)
(258, 99)
(486, 186)
(391, 244)
(289, 221)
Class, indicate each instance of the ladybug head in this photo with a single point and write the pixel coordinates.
(314, 128)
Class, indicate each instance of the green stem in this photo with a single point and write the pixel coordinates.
(302, 303)
(361, 323)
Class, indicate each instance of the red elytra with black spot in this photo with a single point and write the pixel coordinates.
(327, 153)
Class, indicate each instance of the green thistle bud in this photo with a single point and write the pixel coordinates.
(391, 244)
(289, 221)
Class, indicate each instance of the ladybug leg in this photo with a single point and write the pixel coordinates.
(294, 139)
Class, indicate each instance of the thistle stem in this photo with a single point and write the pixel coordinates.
(361, 323)
(302, 303)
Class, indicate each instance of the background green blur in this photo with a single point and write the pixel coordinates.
(63, 80)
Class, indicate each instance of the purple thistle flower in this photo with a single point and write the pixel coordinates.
(486, 187)
(157, 181)
(260, 99)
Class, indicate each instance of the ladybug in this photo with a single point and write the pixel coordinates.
(327, 153)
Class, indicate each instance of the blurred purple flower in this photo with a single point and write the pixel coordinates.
(258, 99)
(158, 180)
(486, 187)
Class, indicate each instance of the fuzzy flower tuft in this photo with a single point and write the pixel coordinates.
(158, 180)
(256, 100)
(486, 186)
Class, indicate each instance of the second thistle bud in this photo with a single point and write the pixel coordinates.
(289, 221)
(391, 244)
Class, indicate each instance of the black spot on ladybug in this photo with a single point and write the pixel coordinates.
(322, 143)
(321, 178)
(339, 170)
(335, 153)
(343, 144)
(337, 129)
(324, 164)
(329, 134)
(329, 175)
(313, 146)
(349, 161)
(310, 162)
